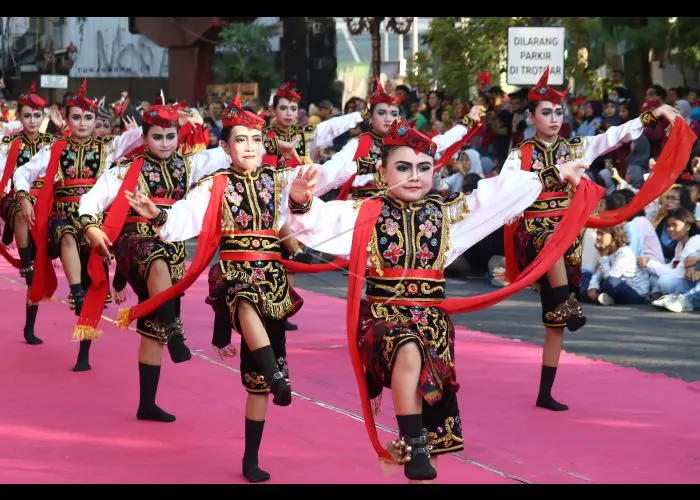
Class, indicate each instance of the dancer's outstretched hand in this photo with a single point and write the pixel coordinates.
(142, 204)
(571, 171)
(226, 352)
(303, 186)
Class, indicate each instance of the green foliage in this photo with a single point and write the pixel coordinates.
(420, 71)
(245, 55)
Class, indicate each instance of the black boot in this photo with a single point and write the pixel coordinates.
(76, 298)
(149, 375)
(544, 398)
(413, 448)
(27, 272)
(265, 358)
(569, 309)
(83, 363)
(253, 436)
(173, 331)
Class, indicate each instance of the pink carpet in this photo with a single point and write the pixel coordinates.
(57, 426)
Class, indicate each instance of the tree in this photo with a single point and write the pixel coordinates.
(245, 55)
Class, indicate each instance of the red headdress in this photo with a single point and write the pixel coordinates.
(542, 92)
(288, 91)
(79, 100)
(161, 116)
(402, 134)
(379, 96)
(121, 105)
(31, 99)
(236, 115)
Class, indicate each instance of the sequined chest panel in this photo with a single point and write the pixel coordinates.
(412, 237)
(251, 211)
(28, 147)
(367, 163)
(545, 160)
(165, 180)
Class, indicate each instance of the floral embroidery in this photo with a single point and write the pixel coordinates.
(234, 197)
(243, 218)
(267, 218)
(257, 274)
(424, 255)
(391, 227)
(418, 316)
(428, 228)
(393, 253)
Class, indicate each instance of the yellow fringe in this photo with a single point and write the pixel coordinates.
(85, 332)
(123, 318)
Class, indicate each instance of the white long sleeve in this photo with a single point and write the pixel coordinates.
(494, 202)
(328, 130)
(338, 169)
(450, 137)
(11, 128)
(103, 193)
(185, 217)
(327, 227)
(596, 145)
(35, 168)
(207, 162)
(124, 143)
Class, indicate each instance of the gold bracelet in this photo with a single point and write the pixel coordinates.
(295, 208)
(159, 219)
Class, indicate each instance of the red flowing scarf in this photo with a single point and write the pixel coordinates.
(10, 163)
(585, 201)
(45, 282)
(97, 293)
(669, 166)
(207, 245)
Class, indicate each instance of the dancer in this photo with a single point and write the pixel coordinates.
(542, 154)
(353, 168)
(15, 151)
(287, 144)
(71, 167)
(149, 264)
(239, 211)
(405, 341)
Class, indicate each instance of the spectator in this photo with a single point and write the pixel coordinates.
(646, 242)
(324, 110)
(673, 199)
(214, 137)
(685, 302)
(591, 122)
(671, 277)
(618, 278)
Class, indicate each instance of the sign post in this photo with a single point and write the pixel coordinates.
(531, 50)
(54, 81)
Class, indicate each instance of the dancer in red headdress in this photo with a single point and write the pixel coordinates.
(353, 168)
(149, 264)
(400, 336)
(15, 151)
(238, 212)
(544, 154)
(287, 144)
(71, 167)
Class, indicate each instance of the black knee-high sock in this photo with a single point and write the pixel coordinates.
(149, 375)
(544, 398)
(167, 314)
(419, 468)
(78, 297)
(83, 363)
(29, 336)
(25, 256)
(265, 358)
(253, 436)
